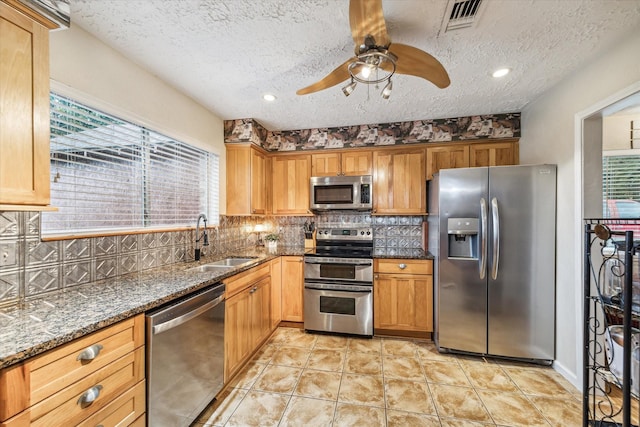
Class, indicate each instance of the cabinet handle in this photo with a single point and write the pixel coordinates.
(255, 288)
(402, 266)
(90, 395)
(376, 276)
(90, 353)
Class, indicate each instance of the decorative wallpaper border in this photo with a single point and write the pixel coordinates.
(492, 126)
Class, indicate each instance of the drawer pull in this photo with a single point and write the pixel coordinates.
(90, 395)
(402, 266)
(90, 353)
(253, 290)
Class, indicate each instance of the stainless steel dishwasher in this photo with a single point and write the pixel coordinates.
(185, 357)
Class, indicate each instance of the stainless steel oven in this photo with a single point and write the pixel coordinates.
(338, 282)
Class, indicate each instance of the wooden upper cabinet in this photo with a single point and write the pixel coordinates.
(494, 154)
(24, 111)
(446, 157)
(290, 184)
(356, 162)
(246, 180)
(399, 181)
(325, 164)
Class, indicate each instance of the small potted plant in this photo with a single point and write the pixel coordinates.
(272, 241)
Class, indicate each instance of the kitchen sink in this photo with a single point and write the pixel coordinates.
(231, 262)
(223, 264)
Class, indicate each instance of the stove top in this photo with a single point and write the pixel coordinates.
(349, 242)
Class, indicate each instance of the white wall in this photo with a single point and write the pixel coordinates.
(86, 69)
(548, 135)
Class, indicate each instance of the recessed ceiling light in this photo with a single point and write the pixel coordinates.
(501, 72)
(268, 97)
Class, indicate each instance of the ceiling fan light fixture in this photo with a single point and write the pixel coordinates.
(372, 67)
(366, 71)
(349, 88)
(386, 92)
(501, 72)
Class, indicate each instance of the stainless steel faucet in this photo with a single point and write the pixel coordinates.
(204, 237)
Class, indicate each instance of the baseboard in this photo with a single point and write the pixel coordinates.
(403, 334)
(567, 374)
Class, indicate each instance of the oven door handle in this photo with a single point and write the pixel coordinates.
(359, 264)
(337, 288)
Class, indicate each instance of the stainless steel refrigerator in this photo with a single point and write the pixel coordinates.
(493, 232)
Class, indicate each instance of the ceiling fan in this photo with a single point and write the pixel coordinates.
(377, 59)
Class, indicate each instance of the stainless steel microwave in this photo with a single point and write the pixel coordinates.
(341, 192)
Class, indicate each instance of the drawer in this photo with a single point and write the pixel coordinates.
(64, 408)
(403, 266)
(42, 376)
(123, 411)
(237, 283)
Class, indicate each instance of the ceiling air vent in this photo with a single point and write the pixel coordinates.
(460, 14)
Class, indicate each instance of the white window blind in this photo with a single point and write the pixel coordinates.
(621, 186)
(110, 174)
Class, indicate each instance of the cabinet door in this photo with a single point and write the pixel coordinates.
(246, 180)
(357, 162)
(403, 302)
(325, 164)
(292, 289)
(276, 293)
(239, 187)
(258, 183)
(291, 185)
(399, 184)
(493, 154)
(456, 156)
(260, 309)
(24, 107)
(237, 332)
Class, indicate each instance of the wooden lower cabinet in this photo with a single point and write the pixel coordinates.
(94, 378)
(292, 289)
(403, 295)
(276, 292)
(247, 322)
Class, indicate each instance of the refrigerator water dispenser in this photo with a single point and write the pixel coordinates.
(463, 237)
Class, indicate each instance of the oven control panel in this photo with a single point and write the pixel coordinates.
(361, 233)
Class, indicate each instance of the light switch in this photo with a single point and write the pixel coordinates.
(7, 254)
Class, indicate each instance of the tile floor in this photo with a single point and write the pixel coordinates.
(299, 379)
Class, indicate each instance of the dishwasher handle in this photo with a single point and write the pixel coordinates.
(170, 324)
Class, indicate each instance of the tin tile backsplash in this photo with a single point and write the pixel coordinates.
(38, 267)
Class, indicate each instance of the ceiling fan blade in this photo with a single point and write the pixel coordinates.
(366, 18)
(338, 75)
(419, 63)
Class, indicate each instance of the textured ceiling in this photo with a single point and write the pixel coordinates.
(226, 54)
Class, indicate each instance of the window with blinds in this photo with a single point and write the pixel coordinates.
(110, 174)
(621, 186)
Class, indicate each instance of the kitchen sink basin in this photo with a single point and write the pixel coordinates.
(230, 262)
(223, 264)
(209, 267)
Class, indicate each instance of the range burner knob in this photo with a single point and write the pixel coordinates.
(368, 232)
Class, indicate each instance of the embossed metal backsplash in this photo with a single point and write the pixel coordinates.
(37, 268)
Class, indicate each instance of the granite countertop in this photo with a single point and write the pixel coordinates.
(52, 320)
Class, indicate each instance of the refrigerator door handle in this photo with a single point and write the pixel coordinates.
(495, 215)
(482, 264)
